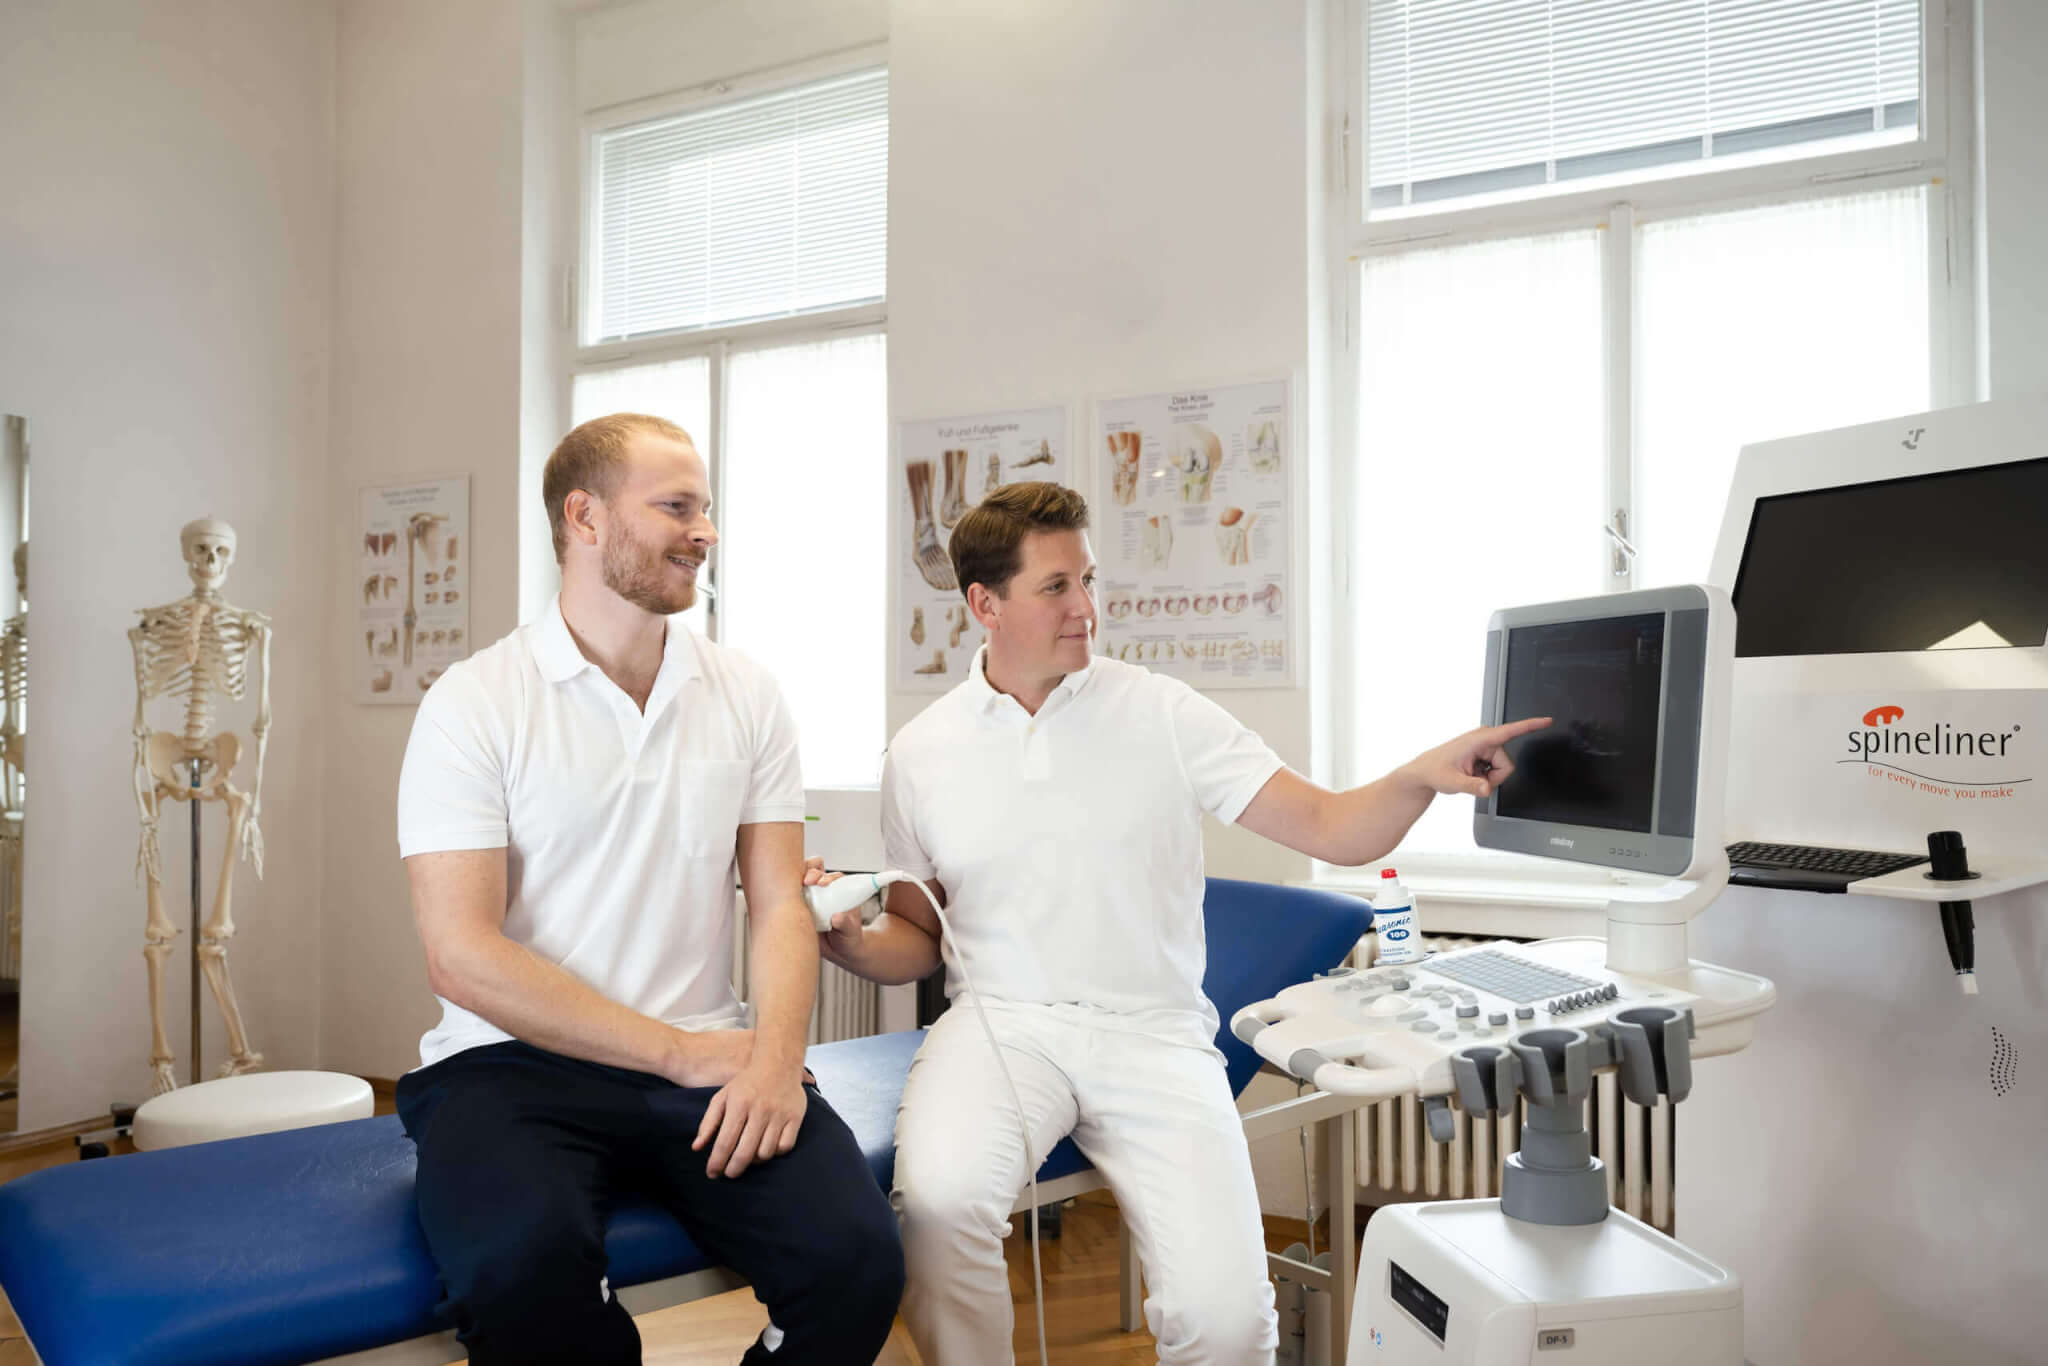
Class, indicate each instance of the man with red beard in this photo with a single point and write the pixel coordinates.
(575, 802)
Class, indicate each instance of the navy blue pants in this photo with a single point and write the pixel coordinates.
(522, 1153)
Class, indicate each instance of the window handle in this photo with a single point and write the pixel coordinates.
(1624, 551)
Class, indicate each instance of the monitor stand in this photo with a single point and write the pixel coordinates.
(1647, 918)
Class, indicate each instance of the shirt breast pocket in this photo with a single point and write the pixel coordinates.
(709, 795)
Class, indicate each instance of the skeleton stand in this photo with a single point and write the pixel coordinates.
(194, 953)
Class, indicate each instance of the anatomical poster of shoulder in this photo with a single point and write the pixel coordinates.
(413, 560)
(939, 469)
(1194, 530)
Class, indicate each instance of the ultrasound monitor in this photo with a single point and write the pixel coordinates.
(1630, 773)
(1951, 559)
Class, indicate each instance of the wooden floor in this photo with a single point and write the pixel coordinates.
(1080, 1270)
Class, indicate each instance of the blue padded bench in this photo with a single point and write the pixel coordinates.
(304, 1246)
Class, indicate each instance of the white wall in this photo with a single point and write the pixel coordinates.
(2012, 195)
(427, 381)
(164, 324)
(660, 47)
(1090, 199)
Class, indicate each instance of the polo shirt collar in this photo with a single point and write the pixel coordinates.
(556, 655)
(985, 698)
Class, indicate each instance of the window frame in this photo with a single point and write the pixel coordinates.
(718, 344)
(1940, 159)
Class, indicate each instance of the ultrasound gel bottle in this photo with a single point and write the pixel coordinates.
(1393, 920)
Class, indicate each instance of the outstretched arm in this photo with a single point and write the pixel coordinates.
(902, 945)
(1364, 824)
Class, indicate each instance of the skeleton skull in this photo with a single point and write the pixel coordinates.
(209, 548)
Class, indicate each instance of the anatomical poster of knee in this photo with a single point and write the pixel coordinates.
(1194, 528)
(412, 561)
(941, 469)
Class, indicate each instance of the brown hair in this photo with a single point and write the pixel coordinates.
(988, 543)
(593, 458)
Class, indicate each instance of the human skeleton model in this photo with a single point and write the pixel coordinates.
(14, 686)
(13, 755)
(198, 650)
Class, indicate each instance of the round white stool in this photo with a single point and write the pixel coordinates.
(254, 1103)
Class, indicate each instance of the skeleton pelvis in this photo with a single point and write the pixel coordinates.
(170, 760)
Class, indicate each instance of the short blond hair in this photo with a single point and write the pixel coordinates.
(593, 458)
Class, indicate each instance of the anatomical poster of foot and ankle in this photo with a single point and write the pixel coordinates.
(412, 562)
(1194, 531)
(940, 469)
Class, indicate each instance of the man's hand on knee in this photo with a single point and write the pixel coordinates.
(753, 1118)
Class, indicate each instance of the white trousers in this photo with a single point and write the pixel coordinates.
(1156, 1118)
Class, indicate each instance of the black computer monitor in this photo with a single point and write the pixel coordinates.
(1952, 559)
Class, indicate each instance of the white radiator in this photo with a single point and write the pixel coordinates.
(1398, 1160)
(846, 1006)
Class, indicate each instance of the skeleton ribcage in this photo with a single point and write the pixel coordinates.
(196, 657)
(14, 663)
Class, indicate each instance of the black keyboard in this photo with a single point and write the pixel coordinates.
(1804, 868)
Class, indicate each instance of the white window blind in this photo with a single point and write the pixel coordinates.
(763, 208)
(1492, 97)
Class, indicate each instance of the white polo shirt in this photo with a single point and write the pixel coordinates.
(619, 827)
(1070, 843)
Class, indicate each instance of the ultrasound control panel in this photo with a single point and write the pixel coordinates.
(1394, 1030)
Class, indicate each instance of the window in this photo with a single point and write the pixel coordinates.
(1504, 98)
(736, 260)
(760, 208)
(1600, 248)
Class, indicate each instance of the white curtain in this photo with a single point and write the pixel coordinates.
(1481, 477)
(1765, 323)
(806, 460)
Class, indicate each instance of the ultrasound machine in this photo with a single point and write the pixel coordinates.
(1628, 778)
